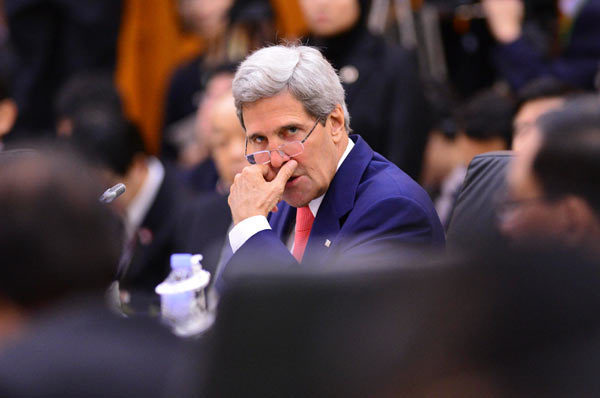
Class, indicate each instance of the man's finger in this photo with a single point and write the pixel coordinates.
(285, 172)
(264, 169)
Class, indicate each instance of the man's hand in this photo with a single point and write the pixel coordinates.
(252, 195)
(505, 18)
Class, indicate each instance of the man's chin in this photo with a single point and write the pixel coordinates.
(295, 200)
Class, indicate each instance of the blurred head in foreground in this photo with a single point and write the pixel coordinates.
(535, 99)
(553, 183)
(513, 323)
(56, 238)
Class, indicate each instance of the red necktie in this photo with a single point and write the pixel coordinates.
(304, 222)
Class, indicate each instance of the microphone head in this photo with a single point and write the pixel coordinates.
(119, 189)
(112, 193)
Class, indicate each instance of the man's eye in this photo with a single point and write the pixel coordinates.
(292, 130)
(258, 140)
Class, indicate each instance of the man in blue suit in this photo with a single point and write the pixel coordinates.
(339, 197)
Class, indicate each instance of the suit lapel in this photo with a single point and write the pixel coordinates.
(325, 227)
(338, 201)
(281, 220)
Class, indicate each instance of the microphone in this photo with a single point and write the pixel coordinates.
(112, 193)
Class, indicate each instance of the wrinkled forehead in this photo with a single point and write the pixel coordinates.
(267, 115)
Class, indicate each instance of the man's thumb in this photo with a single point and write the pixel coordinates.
(285, 172)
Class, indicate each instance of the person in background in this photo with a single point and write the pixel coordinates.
(53, 40)
(553, 191)
(536, 98)
(383, 90)
(482, 124)
(200, 175)
(230, 29)
(345, 199)
(226, 140)
(60, 248)
(154, 200)
(78, 92)
(578, 52)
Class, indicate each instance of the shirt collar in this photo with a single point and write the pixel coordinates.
(142, 202)
(316, 203)
(454, 180)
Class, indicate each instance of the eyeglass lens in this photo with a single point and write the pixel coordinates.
(289, 149)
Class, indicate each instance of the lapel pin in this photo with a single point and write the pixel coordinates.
(145, 236)
(348, 74)
(327, 243)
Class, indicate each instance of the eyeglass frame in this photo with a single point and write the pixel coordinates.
(278, 149)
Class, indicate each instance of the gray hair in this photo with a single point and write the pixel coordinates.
(301, 70)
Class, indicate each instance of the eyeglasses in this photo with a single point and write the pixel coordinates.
(289, 149)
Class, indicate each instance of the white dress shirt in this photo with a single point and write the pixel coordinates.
(250, 226)
(141, 203)
(449, 192)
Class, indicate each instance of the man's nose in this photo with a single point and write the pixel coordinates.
(278, 158)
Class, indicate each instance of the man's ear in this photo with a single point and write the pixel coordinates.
(338, 129)
(8, 115)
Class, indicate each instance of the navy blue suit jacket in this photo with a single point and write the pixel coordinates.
(370, 203)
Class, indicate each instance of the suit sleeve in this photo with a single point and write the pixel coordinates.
(383, 224)
(262, 250)
(389, 223)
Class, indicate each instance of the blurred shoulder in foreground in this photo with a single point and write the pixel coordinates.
(61, 247)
